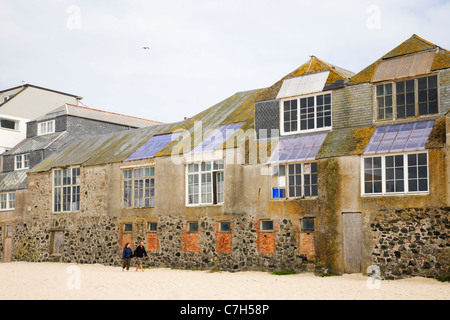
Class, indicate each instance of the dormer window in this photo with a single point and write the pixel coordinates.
(46, 127)
(306, 113)
(407, 98)
(22, 162)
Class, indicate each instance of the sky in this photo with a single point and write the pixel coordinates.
(200, 52)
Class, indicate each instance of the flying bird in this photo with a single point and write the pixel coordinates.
(146, 47)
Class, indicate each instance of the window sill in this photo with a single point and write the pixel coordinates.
(282, 133)
(395, 194)
(294, 199)
(60, 212)
(407, 119)
(205, 205)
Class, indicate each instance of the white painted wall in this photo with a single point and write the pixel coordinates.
(8, 137)
(28, 105)
(33, 102)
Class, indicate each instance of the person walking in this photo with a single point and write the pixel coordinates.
(127, 254)
(139, 254)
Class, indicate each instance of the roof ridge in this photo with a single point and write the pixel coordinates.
(422, 39)
(333, 67)
(110, 112)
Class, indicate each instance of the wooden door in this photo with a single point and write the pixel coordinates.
(352, 224)
(7, 253)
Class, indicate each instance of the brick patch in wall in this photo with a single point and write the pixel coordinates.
(224, 239)
(152, 242)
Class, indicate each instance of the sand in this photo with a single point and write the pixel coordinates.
(59, 281)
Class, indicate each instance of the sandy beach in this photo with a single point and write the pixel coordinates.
(59, 281)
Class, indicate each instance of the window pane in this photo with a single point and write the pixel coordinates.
(266, 225)
(432, 82)
(308, 224)
(372, 175)
(193, 167)
(225, 226)
(7, 124)
(127, 192)
(290, 115)
(193, 227)
(57, 199)
(417, 172)
(66, 197)
(220, 187)
(76, 198)
(384, 101)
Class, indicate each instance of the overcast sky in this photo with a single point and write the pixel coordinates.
(200, 52)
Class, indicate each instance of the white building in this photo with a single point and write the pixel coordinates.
(21, 104)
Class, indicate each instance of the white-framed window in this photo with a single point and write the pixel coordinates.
(305, 113)
(139, 187)
(7, 201)
(405, 173)
(66, 189)
(21, 162)
(8, 124)
(205, 183)
(46, 127)
(294, 180)
(407, 98)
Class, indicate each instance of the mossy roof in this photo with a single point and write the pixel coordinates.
(353, 141)
(412, 45)
(314, 65)
(116, 147)
(345, 142)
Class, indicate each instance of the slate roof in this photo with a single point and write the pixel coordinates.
(117, 147)
(35, 143)
(13, 181)
(99, 115)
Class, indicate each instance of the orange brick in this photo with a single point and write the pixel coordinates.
(307, 245)
(266, 241)
(223, 239)
(190, 242)
(152, 241)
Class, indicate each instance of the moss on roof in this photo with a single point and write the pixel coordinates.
(441, 60)
(412, 45)
(436, 139)
(115, 147)
(312, 66)
(345, 142)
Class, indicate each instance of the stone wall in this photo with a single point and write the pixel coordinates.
(86, 240)
(412, 242)
(244, 248)
(100, 240)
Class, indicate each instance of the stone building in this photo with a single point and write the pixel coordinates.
(45, 135)
(325, 170)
